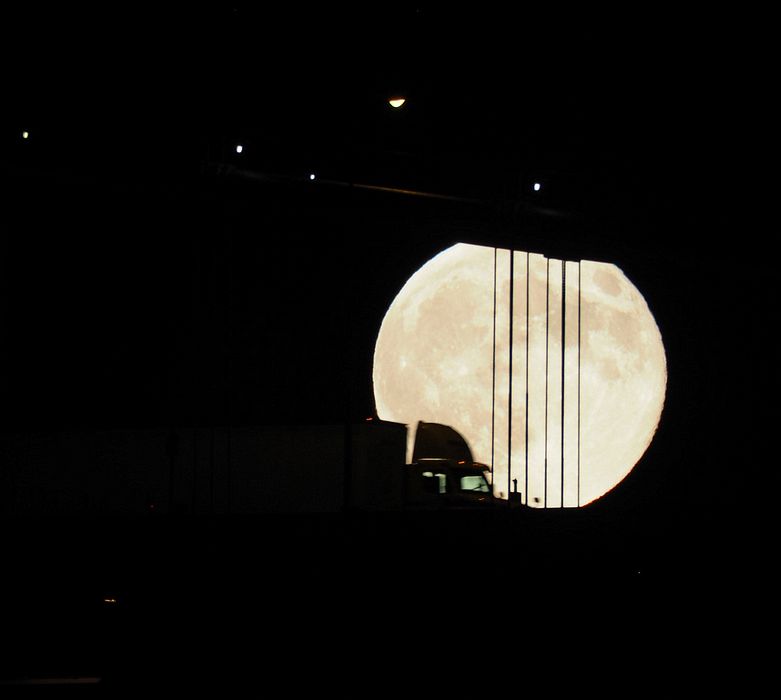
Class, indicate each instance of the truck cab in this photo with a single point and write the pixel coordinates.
(443, 474)
(442, 483)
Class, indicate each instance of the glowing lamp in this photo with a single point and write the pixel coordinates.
(537, 186)
(239, 148)
(397, 102)
(25, 134)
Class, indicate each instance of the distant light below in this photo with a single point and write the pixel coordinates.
(239, 148)
(396, 102)
(311, 176)
(25, 134)
(537, 186)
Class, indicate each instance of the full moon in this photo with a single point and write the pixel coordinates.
(553, 371)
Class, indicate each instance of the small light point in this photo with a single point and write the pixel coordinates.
(25, 134)
(311, 176)
(397, 102)
(239, 148)
(537, 187)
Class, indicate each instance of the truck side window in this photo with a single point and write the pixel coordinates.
(474, 482)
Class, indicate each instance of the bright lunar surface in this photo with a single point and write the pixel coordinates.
(575, 417)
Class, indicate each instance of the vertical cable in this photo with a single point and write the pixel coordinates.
(510, 378)
(547, 325)
(526, 409)
(563, 346)
(493, 379)
(579, 342)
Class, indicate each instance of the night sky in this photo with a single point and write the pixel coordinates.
(152, 277)
(146, 277)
